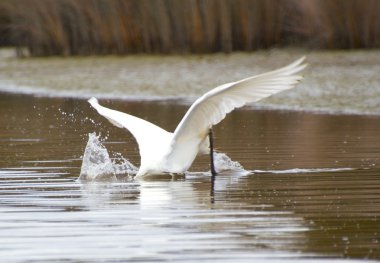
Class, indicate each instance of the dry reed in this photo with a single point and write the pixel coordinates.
(71, 27)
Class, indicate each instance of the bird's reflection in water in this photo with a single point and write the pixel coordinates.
(206, 208)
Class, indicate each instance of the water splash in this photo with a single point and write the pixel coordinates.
(224, 163)
(97, 164)
(306, 170)
(96, 161)
(123, 165)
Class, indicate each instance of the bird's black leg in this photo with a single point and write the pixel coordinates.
(213, 172)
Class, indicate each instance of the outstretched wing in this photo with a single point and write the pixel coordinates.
(148, 136)
(213, 106)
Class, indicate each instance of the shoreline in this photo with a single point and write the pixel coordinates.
(335, 82)
(188, 101)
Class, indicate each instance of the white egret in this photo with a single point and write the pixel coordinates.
(165, 152)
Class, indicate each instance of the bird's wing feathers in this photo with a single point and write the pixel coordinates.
(213, 106)
(146, 134)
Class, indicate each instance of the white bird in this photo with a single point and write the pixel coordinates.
(165, 152)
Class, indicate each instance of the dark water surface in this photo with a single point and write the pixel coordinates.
(290, 211)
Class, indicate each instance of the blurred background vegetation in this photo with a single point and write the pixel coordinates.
(87, 27)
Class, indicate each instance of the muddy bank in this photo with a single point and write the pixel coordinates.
(335, 81)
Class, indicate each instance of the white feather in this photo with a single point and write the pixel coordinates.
(165, 152)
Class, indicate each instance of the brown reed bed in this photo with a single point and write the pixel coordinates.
(343, 24)
(72, 27)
